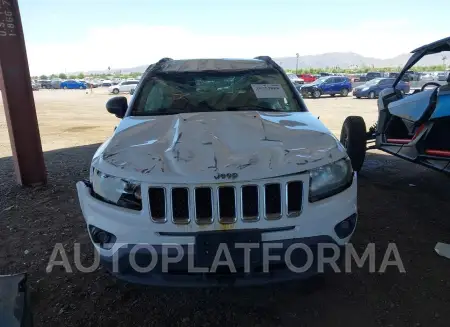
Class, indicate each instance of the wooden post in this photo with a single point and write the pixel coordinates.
(18, 98)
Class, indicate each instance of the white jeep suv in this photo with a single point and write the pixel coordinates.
(216, 173)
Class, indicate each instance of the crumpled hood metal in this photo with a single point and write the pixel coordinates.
(195, 147)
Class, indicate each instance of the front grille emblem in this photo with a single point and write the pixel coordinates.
(226, 176)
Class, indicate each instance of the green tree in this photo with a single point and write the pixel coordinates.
(80, 76)
(43, 77)
(72, 76)
(62, 76)
(52, 76)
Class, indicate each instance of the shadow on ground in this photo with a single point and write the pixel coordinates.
(398, 202)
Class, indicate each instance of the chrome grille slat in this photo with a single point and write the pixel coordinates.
(157, 206)
(249, 202)
(197, 197)
(180, 204)
(227, 212)
(273, 200)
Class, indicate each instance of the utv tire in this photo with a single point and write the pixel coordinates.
(353, 138)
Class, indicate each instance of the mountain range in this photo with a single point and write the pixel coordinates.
(328, 60)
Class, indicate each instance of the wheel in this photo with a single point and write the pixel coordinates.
(358, 97)
(332, 95)
(81, 88)
(353, 138)
(371, 95)
(316, 94)
(344, 92)
(65, 87)
(116, 91)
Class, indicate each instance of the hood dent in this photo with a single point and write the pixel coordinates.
(199, 145)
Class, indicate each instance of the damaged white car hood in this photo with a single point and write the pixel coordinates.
(196, 147)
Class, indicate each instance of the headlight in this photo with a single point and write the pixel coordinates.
(115, 190)
(330, 179)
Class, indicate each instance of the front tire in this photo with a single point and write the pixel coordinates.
(353, 138)
(344, 92)
(65, 87)
(116, 91)
(316, 94)
(371, 95)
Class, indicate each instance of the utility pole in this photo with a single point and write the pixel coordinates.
(444, 58)
(296, 66)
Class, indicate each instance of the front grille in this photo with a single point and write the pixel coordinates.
(248, 202)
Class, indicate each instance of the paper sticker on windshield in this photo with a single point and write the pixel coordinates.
(268, 91)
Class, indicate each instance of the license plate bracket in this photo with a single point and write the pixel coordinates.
(207, 245)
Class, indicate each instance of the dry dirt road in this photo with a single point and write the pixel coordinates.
(398, 202)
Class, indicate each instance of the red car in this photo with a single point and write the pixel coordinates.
(308, 78)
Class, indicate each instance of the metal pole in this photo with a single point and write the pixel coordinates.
(18, 98)
(296, 66)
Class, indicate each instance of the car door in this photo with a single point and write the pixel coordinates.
(334, 85)
(327, 86)
(123, 86)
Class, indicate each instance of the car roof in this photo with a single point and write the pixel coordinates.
(197, 65)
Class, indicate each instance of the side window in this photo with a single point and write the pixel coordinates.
(126, 83)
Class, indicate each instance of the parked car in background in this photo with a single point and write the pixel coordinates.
(45, 83)
(331, 85)
(372, 88)
(427, 77)
(56, 83)
(369, 76)
(393, 75)
(308, 78)
(442, 76)
(295, 79)
(35, 86)
(125, 86)
(106, 82)
(72, 84)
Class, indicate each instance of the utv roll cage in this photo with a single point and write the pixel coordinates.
(419, 53)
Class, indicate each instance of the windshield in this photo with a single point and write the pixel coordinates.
(320, 80)
(374, 81)
(173, 93)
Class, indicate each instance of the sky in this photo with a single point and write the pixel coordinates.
(82, 35)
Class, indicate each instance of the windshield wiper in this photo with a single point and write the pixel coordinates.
(257, 108)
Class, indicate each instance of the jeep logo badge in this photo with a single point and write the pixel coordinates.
(226, 176)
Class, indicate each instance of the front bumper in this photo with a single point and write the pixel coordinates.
(187, 273)
(315, 225)
(360, 93)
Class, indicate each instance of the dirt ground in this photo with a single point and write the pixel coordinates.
(398, 202)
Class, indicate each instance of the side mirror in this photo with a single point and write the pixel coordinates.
(117, 106)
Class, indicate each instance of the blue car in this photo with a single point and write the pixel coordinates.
(373, 88)
(331, 85)
(71, 84)
(414, 126)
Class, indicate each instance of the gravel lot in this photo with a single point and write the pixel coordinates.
(398, 202)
